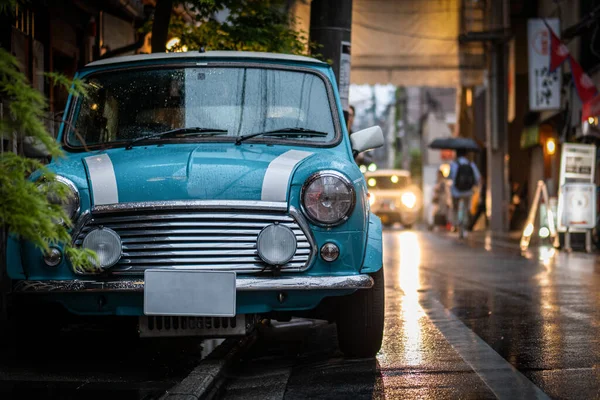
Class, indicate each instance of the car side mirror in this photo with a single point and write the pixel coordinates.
(366, 139)
(34, 148)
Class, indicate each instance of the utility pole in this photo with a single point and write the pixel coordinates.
(405, 149)
(331, 27)
(497, 128)
(496, 36)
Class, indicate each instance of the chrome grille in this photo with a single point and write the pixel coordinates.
(195, 239)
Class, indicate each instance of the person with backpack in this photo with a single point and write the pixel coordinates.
(464, 175)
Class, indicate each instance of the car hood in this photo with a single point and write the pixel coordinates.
(192, 172)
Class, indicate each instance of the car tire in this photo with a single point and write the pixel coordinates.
(360, 320)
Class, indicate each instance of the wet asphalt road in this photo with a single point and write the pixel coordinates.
(88, 360)
(471, 320)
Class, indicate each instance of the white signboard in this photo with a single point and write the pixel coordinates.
(577, 165)
(544, 87)
(344, 84)
(579, 205)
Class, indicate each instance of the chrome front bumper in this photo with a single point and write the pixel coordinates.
(243, 284)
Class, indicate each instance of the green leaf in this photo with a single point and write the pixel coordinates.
(25, 207)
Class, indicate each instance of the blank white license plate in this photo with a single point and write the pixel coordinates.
(189, 293)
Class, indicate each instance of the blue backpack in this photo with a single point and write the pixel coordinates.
(465, 177)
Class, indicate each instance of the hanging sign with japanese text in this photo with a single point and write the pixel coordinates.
(544, 86)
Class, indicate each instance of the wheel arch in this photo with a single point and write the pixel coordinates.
(373, 259)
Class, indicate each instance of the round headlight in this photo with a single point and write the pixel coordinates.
(328, 198)
(409, 199)
(70, 204)
(276, 244)
(107, 245)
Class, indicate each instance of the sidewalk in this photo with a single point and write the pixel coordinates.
(511, 240)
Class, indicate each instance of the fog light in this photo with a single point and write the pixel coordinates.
(330, 252)
(107, 245)
(276, 244)
(53, 257)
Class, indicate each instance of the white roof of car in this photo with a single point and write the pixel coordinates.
(386, 172)
(208, 54)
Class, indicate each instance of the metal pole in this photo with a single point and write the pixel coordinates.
(497, 135)
(405, 152)
(331, 26)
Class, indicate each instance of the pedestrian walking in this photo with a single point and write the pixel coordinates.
(351, 115)
(442, 203)
(464, 175)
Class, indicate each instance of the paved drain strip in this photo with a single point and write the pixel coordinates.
(504, 380)
(205, 381)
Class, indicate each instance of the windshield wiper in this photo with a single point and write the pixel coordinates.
(282, 132)
(179, 131)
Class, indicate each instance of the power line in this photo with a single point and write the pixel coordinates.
(439, 38)
(415, 12)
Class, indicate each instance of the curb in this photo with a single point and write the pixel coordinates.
(207, 378)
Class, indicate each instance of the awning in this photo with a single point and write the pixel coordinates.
(408, 42)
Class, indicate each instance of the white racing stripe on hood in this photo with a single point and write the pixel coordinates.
(103, 180)
(276, 180)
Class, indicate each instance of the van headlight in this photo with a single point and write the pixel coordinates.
(409, 199)
(328, 198)
(71, 204)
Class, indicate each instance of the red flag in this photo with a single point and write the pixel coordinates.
(558, 51)
(583, 83)
(558, 54)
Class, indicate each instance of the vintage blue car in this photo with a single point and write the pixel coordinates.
(216, 188)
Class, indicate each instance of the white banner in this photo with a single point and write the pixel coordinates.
(544, 88)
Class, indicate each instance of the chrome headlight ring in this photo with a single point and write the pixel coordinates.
(351, 192)
(75, 198)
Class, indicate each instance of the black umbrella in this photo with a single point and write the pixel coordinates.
(454, 143)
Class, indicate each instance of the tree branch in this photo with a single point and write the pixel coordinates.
(160, 27)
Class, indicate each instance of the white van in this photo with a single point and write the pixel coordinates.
(393, 197)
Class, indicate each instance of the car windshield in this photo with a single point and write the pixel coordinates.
(125, 105)
(388, 182)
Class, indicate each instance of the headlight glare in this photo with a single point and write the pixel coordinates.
(409, 199)
(371, 199)
(328, 198)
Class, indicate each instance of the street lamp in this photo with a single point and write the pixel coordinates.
(551, 146)
(174, 42)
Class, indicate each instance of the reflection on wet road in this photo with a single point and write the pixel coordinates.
(415, 360)
(463, 320)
